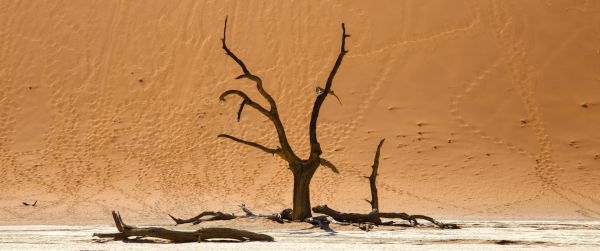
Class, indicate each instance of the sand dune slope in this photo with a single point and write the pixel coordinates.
(490, 108)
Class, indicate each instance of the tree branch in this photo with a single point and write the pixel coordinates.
(239, 114)
(329, 165)
(253, 144)
(274, 113)
(247, 73)
(374, 198)
(315, 147)
(198, 218)
(246, 101)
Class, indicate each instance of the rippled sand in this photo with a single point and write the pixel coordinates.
(578, 235)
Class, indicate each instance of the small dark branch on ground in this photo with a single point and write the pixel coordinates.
(200, 217)
(27, 204)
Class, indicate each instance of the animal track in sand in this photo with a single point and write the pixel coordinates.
(523, 77)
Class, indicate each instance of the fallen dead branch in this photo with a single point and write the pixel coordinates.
(375, 217)
(285, 215)
(366, 221)
(200, 217)
(126, 231)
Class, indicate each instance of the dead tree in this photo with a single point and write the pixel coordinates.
(302, 169)
(375, 216)
(374, 198)
(126, 231)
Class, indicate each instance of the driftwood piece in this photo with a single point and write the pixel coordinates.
(285, 215)
(374, 217)
(199, 218)
(126, 231)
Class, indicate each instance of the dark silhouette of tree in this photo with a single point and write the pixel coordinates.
(302, 169)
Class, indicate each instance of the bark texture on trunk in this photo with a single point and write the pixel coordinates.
(303, 173)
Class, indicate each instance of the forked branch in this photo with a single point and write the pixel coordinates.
(272, 113)
(315, 147)
(247, 73)
(246, 101)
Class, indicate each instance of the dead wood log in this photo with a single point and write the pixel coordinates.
(199, 218)
(285, 215)
(374, 217)
(126, 231)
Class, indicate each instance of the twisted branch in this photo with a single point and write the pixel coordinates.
(315, 147)
(246, 101)
(247, 73)
(198, 218)
(273, 113)
(374, 198)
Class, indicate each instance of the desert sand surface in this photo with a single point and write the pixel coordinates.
(490, 109)
(480, 235)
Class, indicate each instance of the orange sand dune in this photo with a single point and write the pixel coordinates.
(490, 108)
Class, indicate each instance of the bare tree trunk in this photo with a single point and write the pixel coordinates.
(301, 198)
